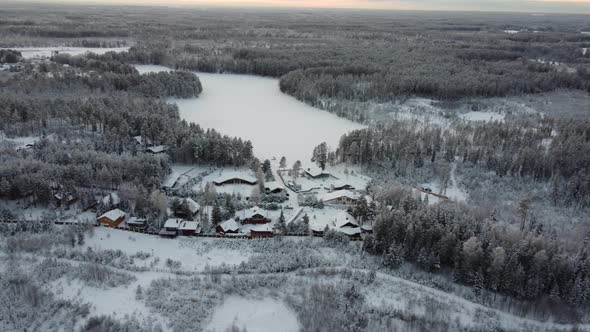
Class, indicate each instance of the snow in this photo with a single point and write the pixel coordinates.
(266, 315)
(343, 218)
(511, 32)
(245, 175)
(117, 301)
(339, 193)
(254, 108)
(251, 212)
(172, 223)
(113, 214)
(482, 116)
(194, 253)
(230, 225)
(20, 142)
(45, 52)
(192, 205)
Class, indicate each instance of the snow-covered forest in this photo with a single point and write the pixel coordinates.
(459, 202)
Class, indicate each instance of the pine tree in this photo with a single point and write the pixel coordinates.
(393, 257)
(320, 155)
(283, 162)
(216, 215)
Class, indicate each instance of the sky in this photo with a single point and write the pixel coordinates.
(564, 6)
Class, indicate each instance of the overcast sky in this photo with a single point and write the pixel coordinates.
(567, 6)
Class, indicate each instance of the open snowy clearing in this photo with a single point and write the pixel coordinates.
(254, 108)
(43, 52)
(191, 258)
(482, 116)
(266, 315)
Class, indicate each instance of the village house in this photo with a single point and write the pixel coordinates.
(261, 231)
(345, 223)
(341, 185)
(228, 227)
(187, 208)
(112, 218)
(189, 228)
(317, 173)
(158, 149)
(136, 224)
(254, 216)
(340, 197)
(274, 187)
(170, 228)
(344, 219)
(235, 178)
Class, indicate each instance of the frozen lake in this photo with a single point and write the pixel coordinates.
(43, 52)
(254, 108)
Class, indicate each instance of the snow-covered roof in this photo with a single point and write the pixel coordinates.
(251, 212)
(367, 227)
(192, 205)
(173, 223)
(350, 231)
(136, 221)
(342, 184)
(344, 218)
(230, 225)
(113, 214)
(315, 171)
(242, 175)
(189, 226)
(157, 148)
(339, 193)
(273, 185)
(261, 228)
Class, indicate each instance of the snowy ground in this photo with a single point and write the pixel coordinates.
(266, 315)
(194, 256)
(43, 52)
(483, 116)
(453, 192)
(254, 108)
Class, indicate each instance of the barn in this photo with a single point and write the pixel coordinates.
(112, 218)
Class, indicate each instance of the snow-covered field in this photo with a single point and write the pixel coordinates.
(43, 52)
(254, 108)
(194, 256)
(266, 315)
(482, 116)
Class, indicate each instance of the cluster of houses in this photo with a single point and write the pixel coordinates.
(335, 194)
(254, 222)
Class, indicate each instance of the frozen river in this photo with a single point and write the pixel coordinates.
(254, 108)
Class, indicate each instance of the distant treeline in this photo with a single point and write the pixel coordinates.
(102, 77)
